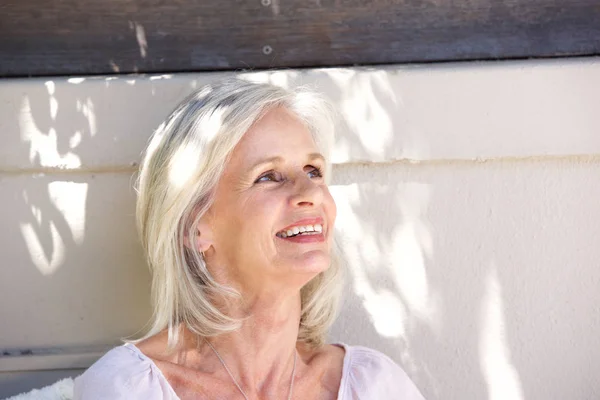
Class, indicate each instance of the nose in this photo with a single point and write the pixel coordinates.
(306, 193)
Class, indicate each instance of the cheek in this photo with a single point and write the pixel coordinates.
(330, 207)
(260, 210)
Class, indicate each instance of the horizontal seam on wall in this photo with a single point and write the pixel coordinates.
(125, 169)
(579, 158)
(50, 358)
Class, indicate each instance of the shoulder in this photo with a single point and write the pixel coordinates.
(123, 372)
(369, 374)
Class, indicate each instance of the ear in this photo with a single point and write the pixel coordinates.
(201, 239)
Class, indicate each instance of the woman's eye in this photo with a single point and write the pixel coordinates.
(267, 177)
(315, 172)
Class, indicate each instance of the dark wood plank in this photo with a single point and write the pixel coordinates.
(60, 37)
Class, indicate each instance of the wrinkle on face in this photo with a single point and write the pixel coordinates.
(246, 215)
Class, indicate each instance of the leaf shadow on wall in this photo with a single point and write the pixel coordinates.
(441, 286)
(70, 211)
(395, 300)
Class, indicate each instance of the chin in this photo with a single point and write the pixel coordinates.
(311, 263)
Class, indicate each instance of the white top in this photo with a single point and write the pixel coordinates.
(126, 373)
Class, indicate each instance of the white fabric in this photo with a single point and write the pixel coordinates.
(126, 373)
(61, 390)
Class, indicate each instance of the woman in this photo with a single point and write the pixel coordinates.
(237, 222)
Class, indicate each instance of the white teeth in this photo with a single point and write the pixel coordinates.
(307, 229)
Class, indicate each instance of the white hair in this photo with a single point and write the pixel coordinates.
(180, 170)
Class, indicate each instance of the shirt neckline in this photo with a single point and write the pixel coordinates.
(343, 381)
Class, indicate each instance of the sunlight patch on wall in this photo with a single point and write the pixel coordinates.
(65, 223)
(501, 376)
(46, 265)
(409, 268)
(363, 111)
(278, 78)
(76, 81)
(388, 313)
(411, 247)
(43, 148)
(51, 87)
(87, 109)
(75, 140)
(341, 76)
(161, 77)
(70, 199)
(256, 77)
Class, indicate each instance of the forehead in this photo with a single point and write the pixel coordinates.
(279, 133)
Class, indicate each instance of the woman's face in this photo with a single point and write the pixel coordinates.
(273, 215)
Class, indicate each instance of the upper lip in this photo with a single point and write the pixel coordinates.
(304, 222)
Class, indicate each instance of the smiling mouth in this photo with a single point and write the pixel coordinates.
(303, 230)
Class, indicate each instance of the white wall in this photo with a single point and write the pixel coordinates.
(468, 213)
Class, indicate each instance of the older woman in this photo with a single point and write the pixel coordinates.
(237, 222)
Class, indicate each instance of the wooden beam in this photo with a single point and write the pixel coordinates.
(64, 37)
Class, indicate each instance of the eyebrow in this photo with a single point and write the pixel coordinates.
(279, 160)
(316, 156)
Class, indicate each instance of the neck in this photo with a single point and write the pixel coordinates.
(260, 354)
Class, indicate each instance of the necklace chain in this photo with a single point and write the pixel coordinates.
(237, 384)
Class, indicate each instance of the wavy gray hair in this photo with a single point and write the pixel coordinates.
(180, 170)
